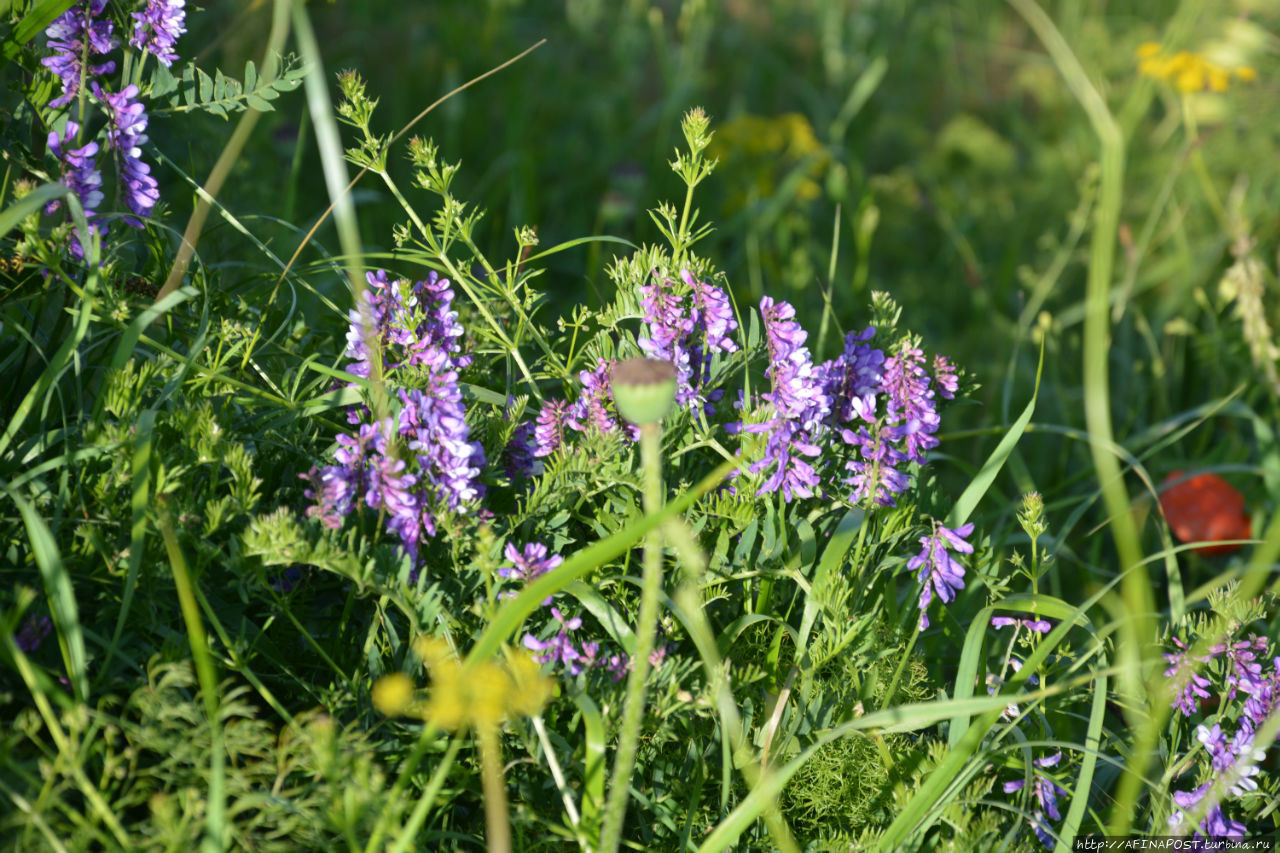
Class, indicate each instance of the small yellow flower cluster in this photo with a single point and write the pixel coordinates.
(483, 696)
(1190, 72)
(764, 146)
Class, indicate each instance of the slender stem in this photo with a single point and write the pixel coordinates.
(902, 665)
(558, 775)
(633, 711)
(497, 822)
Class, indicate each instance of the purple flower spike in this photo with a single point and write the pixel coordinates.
(939, 572)
(593, 410)
(157, 27)
(853, 380)
(910, 402)
(687, 333)
(520, 455)
(548, 433)
(799, 407)
(68, 35)
(1189, 685)
(79, 174)
(127, 135)
(530, 564)
(944, 374)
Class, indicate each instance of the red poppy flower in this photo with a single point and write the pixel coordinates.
(1205, 508)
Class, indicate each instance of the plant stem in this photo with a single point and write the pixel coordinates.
(633, 712)
(497, 822)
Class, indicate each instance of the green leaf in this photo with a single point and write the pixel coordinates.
(62, 599)
(250, 76)
(32, 202)
(34, 22)
(162, 81)
(206, 86)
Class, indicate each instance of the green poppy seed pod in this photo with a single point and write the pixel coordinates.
(644, 389)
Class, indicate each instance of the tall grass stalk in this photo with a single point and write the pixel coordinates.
(1138, 627)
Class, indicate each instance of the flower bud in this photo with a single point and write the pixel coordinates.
(644, 389)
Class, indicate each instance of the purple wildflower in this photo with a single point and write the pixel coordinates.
(1215, 825)
(519, 456)
(798, 402)
(1263, 701)
(687, 334)
(910, 402)
(1189, 685)
(713, 314)
(852, 380)
(594, 407)
(618, 666)
(1239, 775)
(876, 474)
(412, 325)
(434, 422)
(944, 375)
(1039, 626)
(32, 633)
(939, 572)
(560, 647)
(1046, 792)
(548, 433)
(67, 36)
(1216, 744)
(157, 27)
(126, 134)
(530, 564)
(80, 175)
(1243, 670)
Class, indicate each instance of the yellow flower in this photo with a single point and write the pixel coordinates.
(758, 150)
(393, 694)
(482, 696)
(1189, 72)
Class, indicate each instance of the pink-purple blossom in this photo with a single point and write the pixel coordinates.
(938, 570)
(80, 175)
(157, 27)
(126, 134)
(74, 34)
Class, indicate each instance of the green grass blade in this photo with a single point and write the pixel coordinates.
(32, 202)
(982, 481)
(61, 595)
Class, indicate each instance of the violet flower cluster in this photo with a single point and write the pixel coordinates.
(687, 327)
(883, 408)
(1046, 792)
(562, 648)
(799, 405)
(413, 331)
(157, 27)
(79, 34)
(80, 174)
(1250, 696)
(594, 412)
(938, 570)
